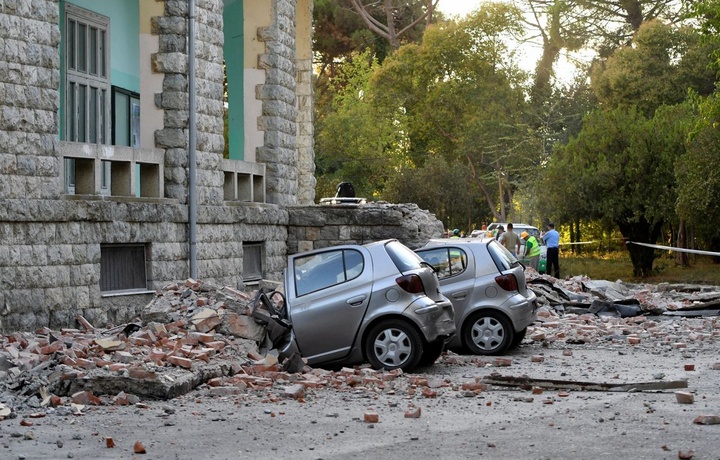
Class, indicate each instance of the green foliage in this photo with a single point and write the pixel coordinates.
(441, 187)
(460, 92)
(657, 69)
(621, 168)
(356, 140)
(698, 176)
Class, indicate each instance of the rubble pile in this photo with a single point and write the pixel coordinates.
(579, 310)
(657, 299)
(189, 334)
(197, 336)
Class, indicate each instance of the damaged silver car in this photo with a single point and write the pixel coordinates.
(486, 284)
(378, 303)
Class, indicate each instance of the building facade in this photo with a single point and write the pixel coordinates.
(142, 139)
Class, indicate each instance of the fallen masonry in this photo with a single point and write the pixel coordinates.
(194, 334)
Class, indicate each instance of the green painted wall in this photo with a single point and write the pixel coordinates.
(233, 50)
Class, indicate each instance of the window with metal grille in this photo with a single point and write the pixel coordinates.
(122, 267)
(252, 261)
(87, 80)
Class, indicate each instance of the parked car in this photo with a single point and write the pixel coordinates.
(534, 231)
(486, 284)
(378, 303)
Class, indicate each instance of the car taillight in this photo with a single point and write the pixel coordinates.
(411, 283)
(507, 282)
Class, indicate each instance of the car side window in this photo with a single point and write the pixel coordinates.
(320, 271)
(458, 261)
(447, 262)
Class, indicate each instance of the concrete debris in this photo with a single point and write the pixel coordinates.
(197, 336)
(633, 314)
(528, 383)
(580, 294)
(190, 333)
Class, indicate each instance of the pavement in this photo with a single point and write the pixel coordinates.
(238, 403)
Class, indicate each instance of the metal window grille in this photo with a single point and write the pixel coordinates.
(122, 267)
(252, 261)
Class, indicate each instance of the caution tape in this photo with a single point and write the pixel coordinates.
(671, 248)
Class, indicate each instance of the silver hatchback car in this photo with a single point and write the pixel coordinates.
(378, 303)
(486, 284)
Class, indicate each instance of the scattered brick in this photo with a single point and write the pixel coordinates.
(413, 413)
(684, 397)
(707, 420)
(371, 417)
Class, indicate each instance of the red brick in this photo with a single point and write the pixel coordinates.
(179, 361)
(537, 359)
(707, 420)
(138, 448)
(371, 417)
(141, 374)
(85, 398)
(413, 413)
(689, 367)
(684, 397)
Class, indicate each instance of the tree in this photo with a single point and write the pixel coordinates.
(699, 182)
(621, 167)
(460, 92)
(658, 68)
(356, 141)
(402, 13)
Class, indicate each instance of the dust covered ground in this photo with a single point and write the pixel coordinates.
(438, 412)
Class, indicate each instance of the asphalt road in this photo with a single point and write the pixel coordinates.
(502, 423)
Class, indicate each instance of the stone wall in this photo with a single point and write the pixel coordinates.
(315, 227)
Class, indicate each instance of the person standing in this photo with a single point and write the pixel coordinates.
(510, 240)
(552, 240)
(532, 250)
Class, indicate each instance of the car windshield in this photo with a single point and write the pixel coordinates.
(503, 258)
(403, 257)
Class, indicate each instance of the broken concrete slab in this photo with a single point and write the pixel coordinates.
(528, 383)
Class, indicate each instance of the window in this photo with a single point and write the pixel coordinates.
(122, 267)
(446, 261)
(252, 261)
(326, 269)
(125, 117)
(87, 78)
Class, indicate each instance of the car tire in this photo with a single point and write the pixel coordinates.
(432, 352)
(393, 344)
(487, 333)
(518, 337)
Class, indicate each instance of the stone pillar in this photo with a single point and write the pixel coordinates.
(172, 61)
(29, 100)
(305, 129)
(279, 113)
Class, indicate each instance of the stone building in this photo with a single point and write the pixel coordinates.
(116, 175)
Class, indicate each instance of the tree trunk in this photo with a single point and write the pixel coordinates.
(642, 257)
(681, 257)
(578, 235)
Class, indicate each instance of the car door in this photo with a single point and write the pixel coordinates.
(328, 293)
(455, 269)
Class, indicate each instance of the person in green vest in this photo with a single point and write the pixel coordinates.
(532, 250)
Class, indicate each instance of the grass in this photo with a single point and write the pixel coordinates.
(617, 266)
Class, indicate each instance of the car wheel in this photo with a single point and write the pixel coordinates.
(432, 352)
(518, 337)
(393, 344)
(487, 333)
